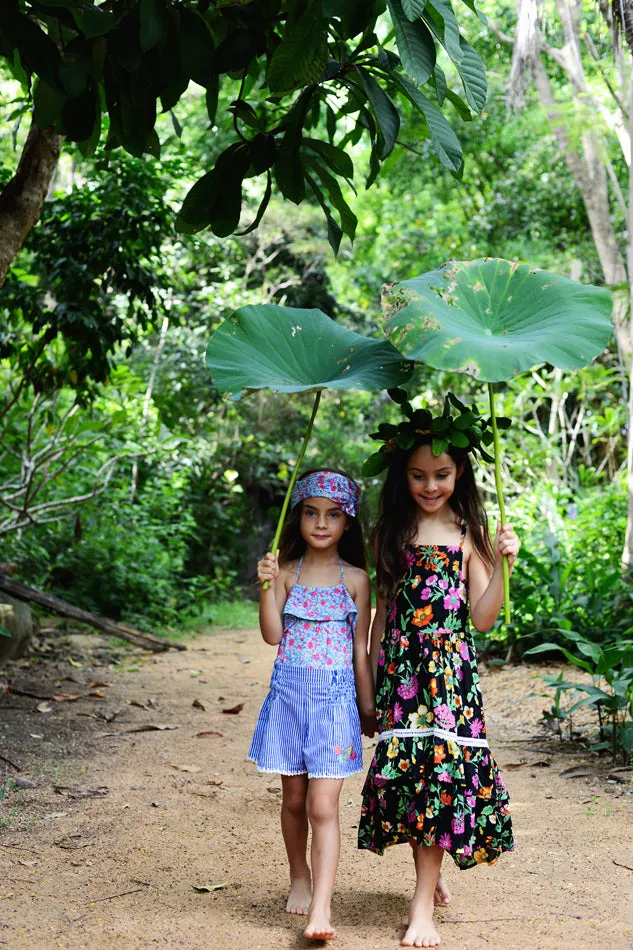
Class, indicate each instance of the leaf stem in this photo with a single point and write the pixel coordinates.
(293, 479)
(502, 507)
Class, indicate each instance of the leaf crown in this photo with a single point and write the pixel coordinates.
(458, 426)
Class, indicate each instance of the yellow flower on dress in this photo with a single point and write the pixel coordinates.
(403, 765)
(392, 748)
(452, 747)
(468, 712)
(480, 855)
(431, 666)
(414, 720)
(416, 581)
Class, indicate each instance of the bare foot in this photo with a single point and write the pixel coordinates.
(442, 895)
(421, 931)
(319, 926)
(299, 897)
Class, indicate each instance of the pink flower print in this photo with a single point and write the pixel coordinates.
(476, 725)
(475, 780)
(353, 754)
(470, 801)
(397, 712)
(453, 548)
(445, 777)
(499, 782)
(457, 824)
(409, 558)
(452, 601)
(328, 640)
(392, 611)
(467, 849)
(431, 579)
(381, 657)
(395, 634)
(444, 717)
(328, 662)
(445, 842)
(315, 656)
(463, 650)
(379, 780)
(472, 820)
(409, 689)
(443, 584)
(426, 593)
(337, 750)
(310, 644)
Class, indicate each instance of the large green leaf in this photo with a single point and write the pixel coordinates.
(495, 319)
(415, 43)
(292, 350)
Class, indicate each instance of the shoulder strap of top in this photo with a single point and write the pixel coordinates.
(463, 534)
(298, 569)
(340, 560)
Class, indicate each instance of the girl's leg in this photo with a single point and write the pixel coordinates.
(442, 895)
(323, 814)
(421, 931)
(294, 828)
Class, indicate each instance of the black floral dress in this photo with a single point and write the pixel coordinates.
(433, 779)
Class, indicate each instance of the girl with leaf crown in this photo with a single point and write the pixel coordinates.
(433, 781)
(315, 606)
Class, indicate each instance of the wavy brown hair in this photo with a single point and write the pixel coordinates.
(351, 547)
(396, 524)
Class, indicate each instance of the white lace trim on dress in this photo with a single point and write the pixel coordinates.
(441, 733)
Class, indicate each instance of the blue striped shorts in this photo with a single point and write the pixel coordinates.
(309, 724)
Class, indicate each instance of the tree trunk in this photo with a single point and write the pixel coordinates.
(22, 198)
(627, 553)
(30, 594)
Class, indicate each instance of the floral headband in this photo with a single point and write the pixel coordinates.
(339, 488)
(458, 426)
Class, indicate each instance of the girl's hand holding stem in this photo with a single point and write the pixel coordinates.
(268, 568)
(506, 544)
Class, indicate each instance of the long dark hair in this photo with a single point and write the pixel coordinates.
(396, 525)
(351, 547)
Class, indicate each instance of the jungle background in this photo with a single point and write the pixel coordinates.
(128, 487)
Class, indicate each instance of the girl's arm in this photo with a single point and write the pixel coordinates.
(485, 590)
(377, 630)
(362, 673)
(272, 600)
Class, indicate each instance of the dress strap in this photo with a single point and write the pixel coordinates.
(298, 569)
(340, 560)
(462, 537)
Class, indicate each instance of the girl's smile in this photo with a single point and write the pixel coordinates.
(431, 478)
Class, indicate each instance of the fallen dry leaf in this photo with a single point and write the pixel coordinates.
(135, 702)
(187, 768)
(213, 781)
(207, 733)
(71, 842)
(44, 707)
(69, 792)
(96, 694)
(151, 727)
(234, 709)
(97, 684)
(67, 697)
(208, 888)
(198, 704)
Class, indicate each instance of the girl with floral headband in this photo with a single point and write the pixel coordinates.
(316, 610)
(433, 781)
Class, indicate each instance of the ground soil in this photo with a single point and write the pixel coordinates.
(122, 826)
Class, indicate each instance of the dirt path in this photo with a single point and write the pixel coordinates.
(177, 811)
